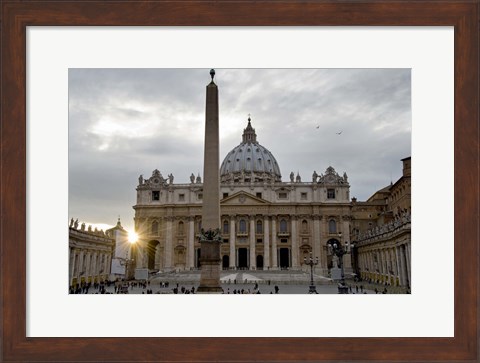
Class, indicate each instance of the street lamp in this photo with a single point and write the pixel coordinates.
(339, 251)
(311, 263)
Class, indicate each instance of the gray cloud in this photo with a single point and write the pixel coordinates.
(127, 122)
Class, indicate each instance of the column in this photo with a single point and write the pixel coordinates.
(266, 240)
(408, 257)
(87, 265)
(347, 258)
(317, 248)
(400, 265)
(232, 241)
(294, 243)
(169, 242)
(274, 243)
(191, 243)
(72, 265)
(80, 265)
(252, 243)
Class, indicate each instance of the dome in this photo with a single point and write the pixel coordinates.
(249, 159)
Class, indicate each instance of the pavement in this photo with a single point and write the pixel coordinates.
(288, 282)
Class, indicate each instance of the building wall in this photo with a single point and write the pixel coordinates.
(382, 233)
(265, 225)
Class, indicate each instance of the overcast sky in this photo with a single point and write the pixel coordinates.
(127, 122)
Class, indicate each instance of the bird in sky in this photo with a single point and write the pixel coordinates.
(338, 133)
(318, 126)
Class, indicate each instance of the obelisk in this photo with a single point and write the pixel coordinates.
(210, 237)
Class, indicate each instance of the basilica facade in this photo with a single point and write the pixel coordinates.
(266, 223)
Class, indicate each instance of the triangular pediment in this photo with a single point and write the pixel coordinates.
(243, 198)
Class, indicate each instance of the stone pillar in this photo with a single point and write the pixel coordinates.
(400, 265)
(253, 261)
(407, 258)
(274, 243)
(317, 248)
(211, 240)
(295, 263)
(232, 242)
(169, 243)
(347, 258)
(266, 241)
(191, 243)
(72, 264)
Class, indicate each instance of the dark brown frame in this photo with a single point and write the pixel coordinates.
(16, 16)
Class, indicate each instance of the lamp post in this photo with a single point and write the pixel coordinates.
(339, 251)
(311, 263)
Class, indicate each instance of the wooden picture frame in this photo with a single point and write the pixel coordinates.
(18, 15)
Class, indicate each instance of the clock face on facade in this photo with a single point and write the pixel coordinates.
(156, 181)
(330, 178)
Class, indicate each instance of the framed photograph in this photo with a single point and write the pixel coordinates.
(57, 59)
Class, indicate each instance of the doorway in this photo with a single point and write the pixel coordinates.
(284, 258)
(259, 262)
(225, 262)
(242, 258)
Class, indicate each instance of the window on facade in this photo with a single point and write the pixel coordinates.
(259, 195)
(282, 195)
(331, 193)
(225, 227)
(225, 195)
(259, 240)
(303, 196)
(283, 226)
(200, 196)
(332, 226)
(155, 195)
(304, 226)
(181, 197)
(181, 227)
(155, 228)
(242, 226)
(283, 240)
(259, 227)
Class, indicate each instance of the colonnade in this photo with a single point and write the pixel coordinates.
(88, 265)
(388, 265)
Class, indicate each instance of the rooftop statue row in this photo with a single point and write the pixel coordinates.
(399, 221)
(74, 225)
(156, 179)
(330, 177)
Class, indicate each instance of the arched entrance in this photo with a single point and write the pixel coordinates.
(153, 255)
(225, 261)
(284, 258)
(242, 258)
(259, 262)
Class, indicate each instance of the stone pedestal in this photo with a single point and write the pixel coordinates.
(336, 273)
(210, 274)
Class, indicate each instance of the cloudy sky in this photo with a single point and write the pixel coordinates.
(127, 122)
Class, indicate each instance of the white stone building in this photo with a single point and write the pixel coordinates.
(266, 223)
